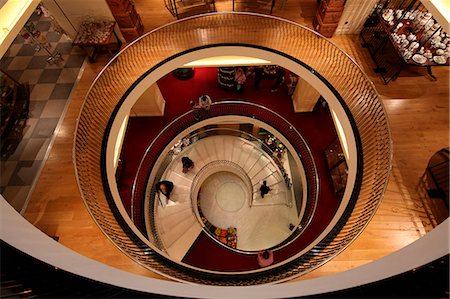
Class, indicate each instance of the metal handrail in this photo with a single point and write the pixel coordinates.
(339, 73)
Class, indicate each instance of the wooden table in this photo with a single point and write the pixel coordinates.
(96, 35)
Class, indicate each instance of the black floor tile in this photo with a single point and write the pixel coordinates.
(25, 173)
(43, 25)
(5, 61)
(17, 146)
(26, 50)
(35, 17)
(61, 91)
(53, 36)
(64, 48)
(16, 74)
(74, 61)
(38, 62)
(19, 40)
(49, 76)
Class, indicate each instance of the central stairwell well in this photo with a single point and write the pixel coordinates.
(178, 221)
(350, 92)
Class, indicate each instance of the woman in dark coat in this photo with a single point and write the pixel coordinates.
(165, 187)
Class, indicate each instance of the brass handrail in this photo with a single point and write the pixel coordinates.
(324, 59)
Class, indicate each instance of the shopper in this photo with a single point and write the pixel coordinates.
(203, 105)
(264, 189)
(239, 78)
(165, 187)
(187, 164)
(265, 258)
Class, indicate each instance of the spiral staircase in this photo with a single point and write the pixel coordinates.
(158, 240)
(216, 153)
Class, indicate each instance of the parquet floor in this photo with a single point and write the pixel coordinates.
(418, 109)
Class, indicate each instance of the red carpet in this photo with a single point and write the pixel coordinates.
(316, 127)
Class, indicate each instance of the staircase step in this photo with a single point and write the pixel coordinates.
(168, 221)
(175, 232)
(181, 246)
(178, 178)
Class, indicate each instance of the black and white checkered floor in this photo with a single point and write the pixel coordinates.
(51, 85)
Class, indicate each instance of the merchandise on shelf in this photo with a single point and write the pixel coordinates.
(417, 36)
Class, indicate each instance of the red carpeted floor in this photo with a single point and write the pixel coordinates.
(316, 127)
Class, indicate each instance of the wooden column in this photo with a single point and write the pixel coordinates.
(304, 97)
(127, 18)
(327, 16)
(151, 103)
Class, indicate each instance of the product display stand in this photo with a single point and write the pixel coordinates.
(404, 34)
(97, 35)
(225, 77)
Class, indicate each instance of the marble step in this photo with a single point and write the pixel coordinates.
(181, 245)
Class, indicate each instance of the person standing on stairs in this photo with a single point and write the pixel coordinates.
(164, 187)
(187, 164)
(264, 189)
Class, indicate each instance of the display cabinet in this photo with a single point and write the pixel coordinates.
(337, 165)
(401, 33)
(14, 106)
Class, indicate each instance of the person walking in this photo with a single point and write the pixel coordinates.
(187, 164)
(264, 189)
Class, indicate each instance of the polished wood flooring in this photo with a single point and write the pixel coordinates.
(418, 110)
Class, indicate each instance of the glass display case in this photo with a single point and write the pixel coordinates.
(406, 29)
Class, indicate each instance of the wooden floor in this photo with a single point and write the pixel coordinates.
(418, 110)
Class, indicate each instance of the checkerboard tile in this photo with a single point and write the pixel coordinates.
(36, 108)
(42, 92)
(7, 169)
(16, 195)
(49, 76)
(68, 75)
(31, 76)
(53, 109)
(19, 63)
(61, 91)
(37, 62)
(45, 127)
(51, 85)
(26, 50)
